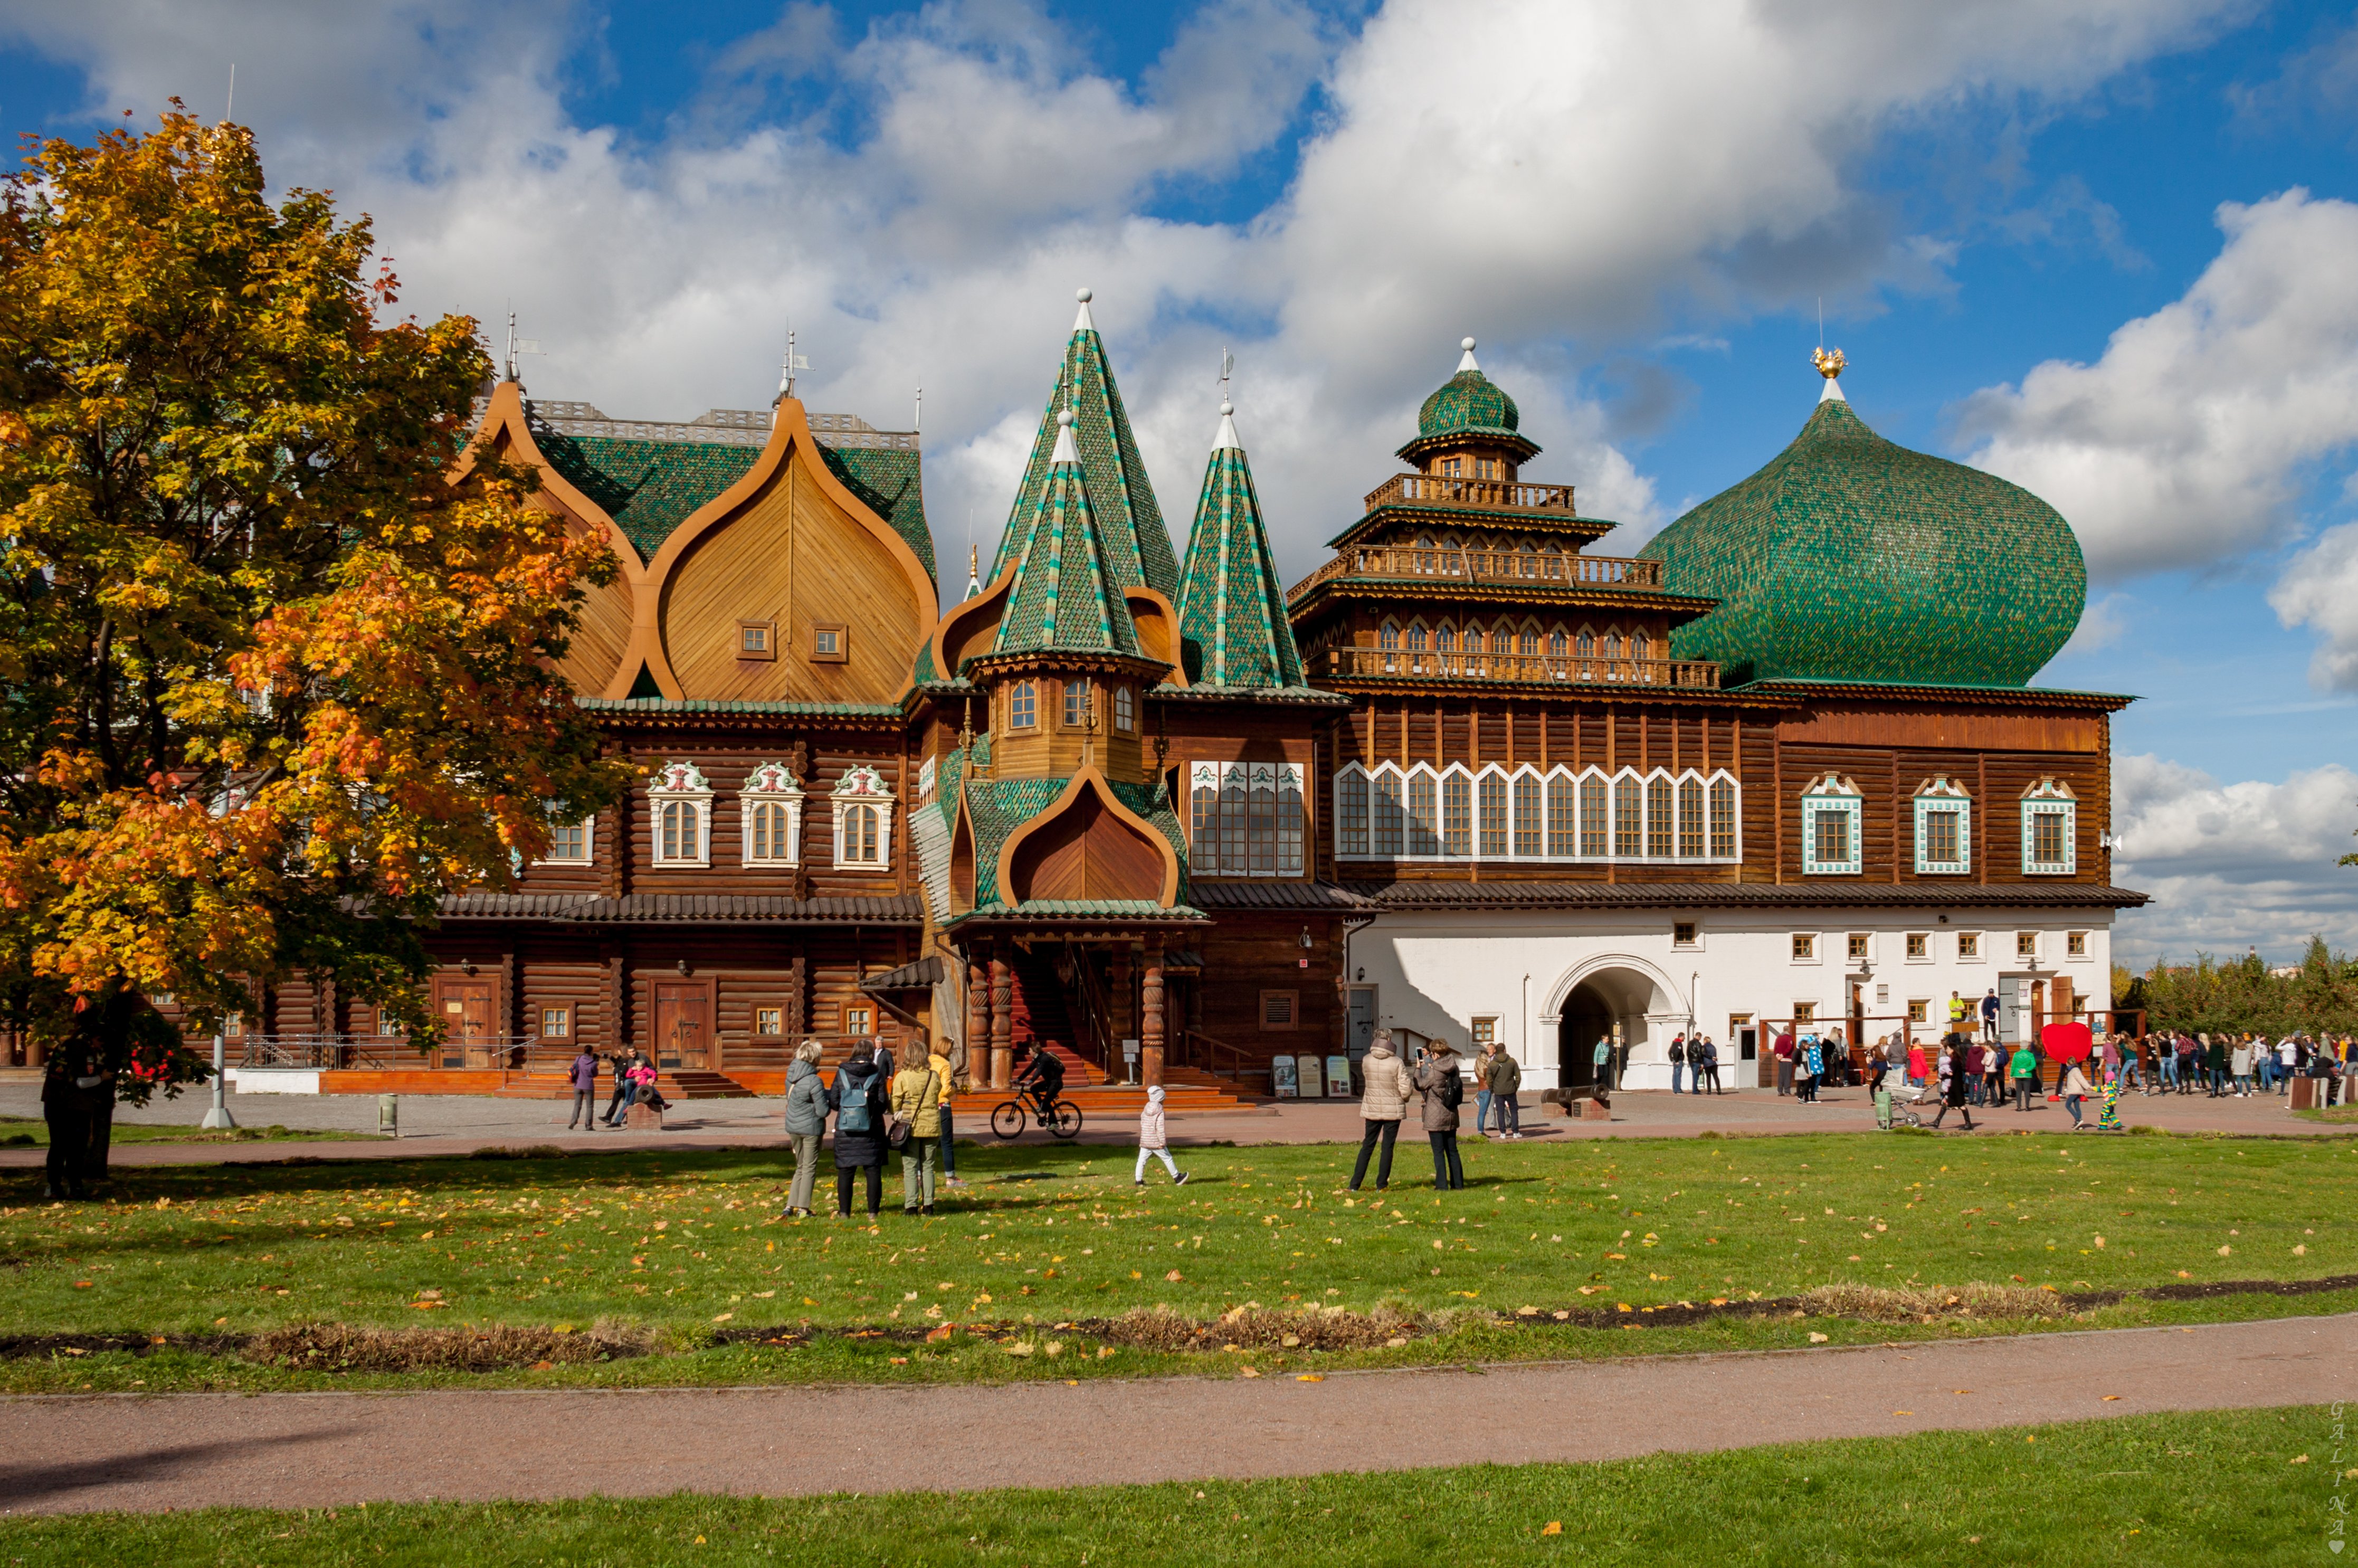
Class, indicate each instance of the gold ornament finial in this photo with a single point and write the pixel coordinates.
(1829, 363)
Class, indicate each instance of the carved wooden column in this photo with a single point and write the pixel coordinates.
(976, 1045)
(1150, 1033)
(1002, 1021)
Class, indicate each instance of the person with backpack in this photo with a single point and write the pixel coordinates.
(1383, 1104)
(857, 1098)
(1444, 1090)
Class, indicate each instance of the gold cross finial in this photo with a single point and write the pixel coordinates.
(1829, 363)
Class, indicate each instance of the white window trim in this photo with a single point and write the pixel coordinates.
(589, 856)
(1907, 957)
(1831, 792)
(1542, 778)
(1701, 937)
(1817, 946)
(2048, 797)
(1215, 776)
(863, 786)
(1980, 955)
(680, 781)
(1943, 793)
(2038, 946)
(771, 782)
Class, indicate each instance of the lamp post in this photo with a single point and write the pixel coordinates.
(219, 1119)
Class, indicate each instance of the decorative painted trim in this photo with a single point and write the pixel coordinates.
(1247, 804)
(1943, 793)
(1527, 814)
(1832, 795)
(681, 783)
(862, 789)
(2050, 799)
(772, 784)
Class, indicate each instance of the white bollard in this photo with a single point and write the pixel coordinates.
(388, 1115)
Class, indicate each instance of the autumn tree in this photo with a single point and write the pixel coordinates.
(275, 649)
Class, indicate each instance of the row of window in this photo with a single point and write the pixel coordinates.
(856, 1018)
(1860, 945)
(1833, 814)
(1525, 640)
(1074, 701)
(1421, 813)
(1245, 820)
(770, 821)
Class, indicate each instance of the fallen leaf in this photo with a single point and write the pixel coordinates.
(2110, 1398)
(1553, 1526)
(1310, 1377)
(723, 1317)
(1817, 1339)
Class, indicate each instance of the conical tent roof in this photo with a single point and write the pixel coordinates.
(1065, 596)
(1851, 558)
(1137, 544)
(1231, 605)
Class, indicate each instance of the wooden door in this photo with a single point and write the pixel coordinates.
(469, 1013)
(683, 1021)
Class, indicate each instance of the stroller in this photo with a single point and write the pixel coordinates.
(1900, 1109)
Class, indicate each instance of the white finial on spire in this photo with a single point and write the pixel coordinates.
(973, 571)
(1066, 451)
(794, 362)
(1226, 438)
(917, 420)
(1467, 362)
(1082, 323)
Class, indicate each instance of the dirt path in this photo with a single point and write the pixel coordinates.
(71, 1455)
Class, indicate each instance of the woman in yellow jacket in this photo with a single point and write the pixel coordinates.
(917, 1100)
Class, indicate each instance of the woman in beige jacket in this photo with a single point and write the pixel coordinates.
(1382, 1106)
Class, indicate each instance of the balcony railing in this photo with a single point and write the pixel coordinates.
(1532, 669)
(1486, 494)
(1538, 569)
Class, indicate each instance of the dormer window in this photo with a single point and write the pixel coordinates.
(1023, 706)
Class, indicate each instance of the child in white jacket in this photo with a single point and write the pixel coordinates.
(1154, 1141)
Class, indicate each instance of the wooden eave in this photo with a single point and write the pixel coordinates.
(1457, 592)
(1833, 694)
(1588, 530)
(1050, 661)
(1434, 687)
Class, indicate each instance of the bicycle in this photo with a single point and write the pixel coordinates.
(1061, 1118)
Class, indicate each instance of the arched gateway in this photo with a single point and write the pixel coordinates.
(1614, 997)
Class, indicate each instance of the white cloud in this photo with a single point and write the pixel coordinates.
(1530, 172)
(2320, 589)
(2233, 866)
(2191, 440)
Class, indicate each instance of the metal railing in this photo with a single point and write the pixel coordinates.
(1529, 669)
(391, 1053)
(1485, 494)
(1522, 568)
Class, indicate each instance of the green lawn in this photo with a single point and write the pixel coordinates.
(22, 1132)
(687, 1247)
(2175, 1491)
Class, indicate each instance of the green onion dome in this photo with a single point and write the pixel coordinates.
(1850, 557)
(1469, 406)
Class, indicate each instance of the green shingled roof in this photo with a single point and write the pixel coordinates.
(1138, 545)
(1065, 596)
(1231, 606)
(1468, 403)
(650, 488)
(1850, 557)
(997, 808)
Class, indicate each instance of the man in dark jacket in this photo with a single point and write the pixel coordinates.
(1437, 1078)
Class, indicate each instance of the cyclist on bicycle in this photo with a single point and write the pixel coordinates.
(1041, 1081)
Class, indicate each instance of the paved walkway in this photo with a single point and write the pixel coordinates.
(457, 1124)
(69, 1453)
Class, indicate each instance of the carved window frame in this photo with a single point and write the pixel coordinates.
(771, 785)
(682, 785)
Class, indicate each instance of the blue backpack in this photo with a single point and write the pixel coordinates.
(853, 1115)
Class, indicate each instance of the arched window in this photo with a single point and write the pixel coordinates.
(771, 805)
(1456, 815)
(1351, 813)
(1125, 709)
(1527, 822)
(681, 814)
(1722, 820)
(1658, 818)
(1416, 637)
(1530, 642)
(863, 821)
(1444, 639)
(1023, 706)
(1587, 644)
(1555, 644)
(1389, 638)
(1389, 821)
(1628, 819)
(1424, 816)
(1593, 841)
(1561, 825)
(1690, 819)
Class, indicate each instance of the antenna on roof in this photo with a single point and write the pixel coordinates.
(232, 110)
(794, 362)
(917, 420)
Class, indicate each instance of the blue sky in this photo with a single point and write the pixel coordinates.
(2097, 246)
